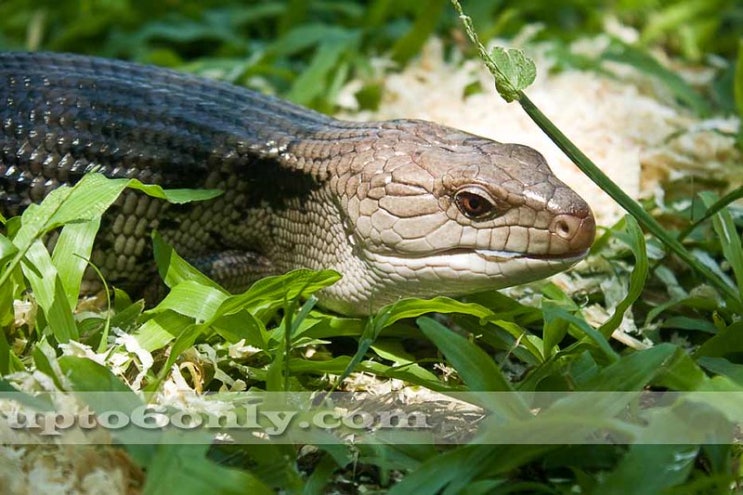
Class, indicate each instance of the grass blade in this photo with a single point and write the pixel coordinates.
(49, 292)
(727, 232)
(71, 255)
(477, 370)
(184, 469)
(595, 173)
(632, 475)
(636, 241)
(173, 268)
(629, 204)
(642, 61)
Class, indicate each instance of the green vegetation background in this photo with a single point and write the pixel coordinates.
(305, 51)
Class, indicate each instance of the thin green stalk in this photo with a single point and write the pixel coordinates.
(509, 92)
(719, 205)
(633, 207)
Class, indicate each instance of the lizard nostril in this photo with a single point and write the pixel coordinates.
(565, 226)
(577, 232)
(562, 228)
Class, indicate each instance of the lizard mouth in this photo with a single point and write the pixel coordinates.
(496, 256)
(492, 255)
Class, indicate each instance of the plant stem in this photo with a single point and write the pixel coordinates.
(630, 205)
(592, 171)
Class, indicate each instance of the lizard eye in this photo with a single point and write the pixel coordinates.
(474, 203)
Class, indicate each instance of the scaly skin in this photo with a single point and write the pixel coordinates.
(400, 208)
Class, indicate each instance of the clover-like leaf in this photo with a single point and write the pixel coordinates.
(515, 70)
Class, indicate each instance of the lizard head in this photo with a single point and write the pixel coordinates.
(433, 210)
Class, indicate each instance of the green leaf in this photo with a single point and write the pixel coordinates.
(278, 371)
(7, 250)
(720, 366)
(38, 401)
(301, 38)
(634, 371)
(86, 375)
(175, 196)
(186, 338)
(312, 81)
(633, 476)
(405, 308)
(728, 341)
(393, 350)
(173, 268)
(270, 293)
(185, 469)
(555, 328)
(512, 71)
(426, 19)
(321, 475)
(87, 200)
(9, 362)
(45, 360)
(477, 370)
(71, 252)
(49, 292)
(35, 219)
(627, 54)
(516, 70)
(456, 469)
(635, 239)
(412, 308)
(554, 312)
(412, 374)
(159, 331)
(127, 313)
(681, 372)
(319, 325)
(102, 391)
(554, 331)
(738, 87)
(193, 299)
(723, 202)
(729, 237)
(241, 326)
